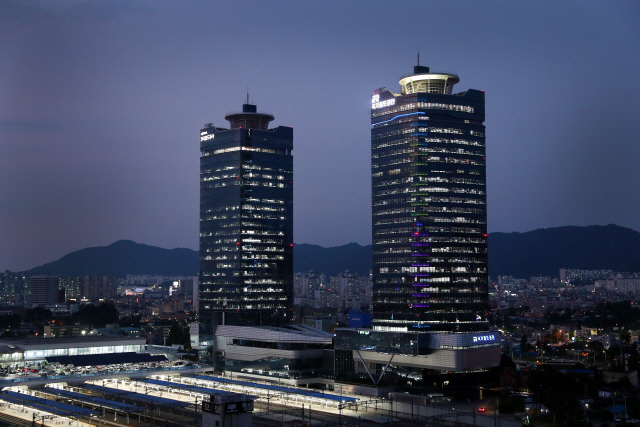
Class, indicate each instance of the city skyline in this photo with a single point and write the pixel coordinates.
(111, 92)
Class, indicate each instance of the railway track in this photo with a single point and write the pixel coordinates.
(318, 418)
(14, 421)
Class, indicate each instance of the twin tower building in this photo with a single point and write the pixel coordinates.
(429, 220)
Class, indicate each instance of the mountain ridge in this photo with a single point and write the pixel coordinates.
(121, 258)
(540, 252)
(544, 251)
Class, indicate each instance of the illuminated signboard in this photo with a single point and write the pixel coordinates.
(376, 103)
(483, 338)
(206, 137)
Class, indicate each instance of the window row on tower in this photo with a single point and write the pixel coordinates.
(409, 106)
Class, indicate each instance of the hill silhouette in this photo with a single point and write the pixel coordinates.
(540, 252)
(121, 258)
(544, 252)
(127, 257)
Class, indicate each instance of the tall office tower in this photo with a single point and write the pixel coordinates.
(429, 206)
(246, 221)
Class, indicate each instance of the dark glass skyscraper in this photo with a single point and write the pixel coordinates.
(246, 221)
(429, 206)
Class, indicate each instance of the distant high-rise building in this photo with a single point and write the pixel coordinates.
(11, 288)
(429, 206)
(99, 287)
(306, 284)
(246, 221)
(73, 286)
(196, 294)
(345, 283)
(45, 290)
(563, 274)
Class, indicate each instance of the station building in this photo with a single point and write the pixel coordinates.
(412, 359)
(292, 354)
(34, 350)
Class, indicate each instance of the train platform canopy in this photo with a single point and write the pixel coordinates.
(190, 388)
(138, 397)
(46, 405)
(97, 401)
(106, 359)
(44, 408)
(315, 394)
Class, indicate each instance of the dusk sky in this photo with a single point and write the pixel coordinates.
(101, 104)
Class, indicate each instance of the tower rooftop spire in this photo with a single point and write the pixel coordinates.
(249, 118)
(423, 80)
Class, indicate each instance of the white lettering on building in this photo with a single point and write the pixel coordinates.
(206, 137)
(376, 103)
(481, 338)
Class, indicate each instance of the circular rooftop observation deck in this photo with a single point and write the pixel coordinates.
(249, 118)
(424, 81)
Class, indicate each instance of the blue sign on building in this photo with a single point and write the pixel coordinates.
(359, 320)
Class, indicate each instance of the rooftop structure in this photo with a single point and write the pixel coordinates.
(424, 81)
(249, 118)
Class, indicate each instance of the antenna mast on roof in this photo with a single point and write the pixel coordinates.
(418, 55)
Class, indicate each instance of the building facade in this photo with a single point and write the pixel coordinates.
(45, 290)
(362, 353)
(290, 352)
(21, 351)
(246, 221)
(14, 289)
(429, 206)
